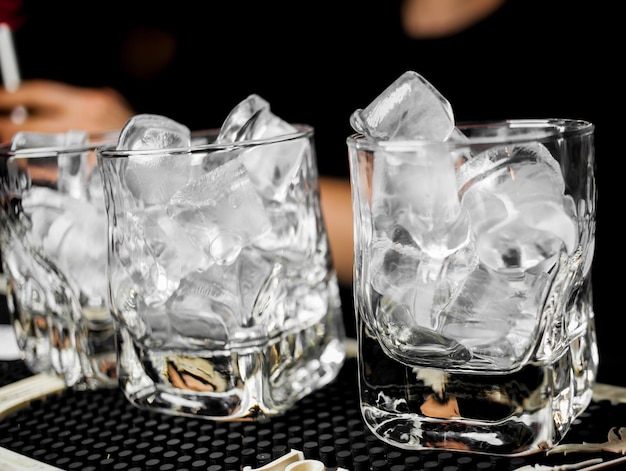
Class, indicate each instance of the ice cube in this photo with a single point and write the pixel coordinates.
(409, 108)
(162, 254)
(494, 316)
(221, 211)
(415, 201)
(252, 119)
(517, 246)
(151, 132)
(205, 302)
(153, 177)
(263, 291)
(272, 167)
(95, 191)
(236, 302)
(44, 206)
(501, 157)
(520, 214)
(416, 189)
(72, 234)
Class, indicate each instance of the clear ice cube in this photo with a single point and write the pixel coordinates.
(205, 302)
(151, 132)
(154, 177)
(417, 191)
(221, 211)
(231, 302)
(72, 234)
(417, 212)
(161, 262)
(495, 316)
(409, 108)
(272, 167)
(520, 214)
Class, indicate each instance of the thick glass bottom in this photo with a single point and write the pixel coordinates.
(233, 384)
(506, 414)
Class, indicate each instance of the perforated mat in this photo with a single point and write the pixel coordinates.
(100, 430)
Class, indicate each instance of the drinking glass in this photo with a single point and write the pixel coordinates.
(221, 284)
(472, 289)
(53, 246)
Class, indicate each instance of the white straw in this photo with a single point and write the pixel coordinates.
(8, 61)
(10, 70)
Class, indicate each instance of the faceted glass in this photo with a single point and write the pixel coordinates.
(220, 276)
(54, 257)
(473, 285)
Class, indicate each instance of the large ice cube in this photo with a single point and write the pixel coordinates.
(159, 254)
(150, 132)
(418, 219)
(409, 108)
(271, 167)
(72, 234)
(416, 189)
(252, 119)
(154, 177)
(221, 211)
(520, 214)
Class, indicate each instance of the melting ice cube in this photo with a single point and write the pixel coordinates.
(252, 119)
(520, 214)
(150, 132)
(414, 193)
(154, 177)
(72, 234)
(272, 167)
(221, 210)
(409, 108)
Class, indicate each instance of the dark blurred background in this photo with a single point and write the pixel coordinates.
(317, 62)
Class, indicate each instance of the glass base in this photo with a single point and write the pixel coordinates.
(232, 384)
(510, 414)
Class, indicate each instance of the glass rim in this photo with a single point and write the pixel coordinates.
(109, 151)
(95, 140)
(543, 129)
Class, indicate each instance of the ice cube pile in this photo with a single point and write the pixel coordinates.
(65, 207)
(210, 226)
(465, 242)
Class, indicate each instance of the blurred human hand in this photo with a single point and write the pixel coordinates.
(424, 19)
(58, 107)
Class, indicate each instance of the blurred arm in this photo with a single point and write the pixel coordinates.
(336, 201)
(441, 18)
(58, 107)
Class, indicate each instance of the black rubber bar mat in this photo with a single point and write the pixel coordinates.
(100, 430)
